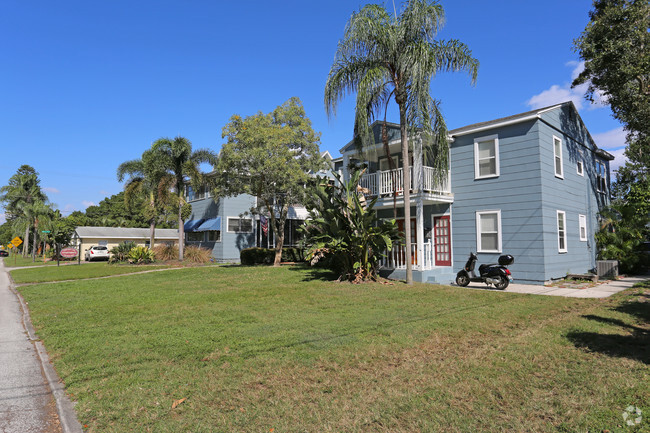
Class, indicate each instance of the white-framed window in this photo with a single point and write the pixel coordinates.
(488, 231)
(240, 225)
(580, 168)
(214, 235)
(557, 157)
(582, 219)
(561, 231)
(486, 157)
(601, 177)
(194, 236)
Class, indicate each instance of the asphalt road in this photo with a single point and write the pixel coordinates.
(26, 401)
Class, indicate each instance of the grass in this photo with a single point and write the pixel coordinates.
(19, 261)
(75, 272)
(285, 350)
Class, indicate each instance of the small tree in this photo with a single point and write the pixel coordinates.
(344, 229)
(269, 156)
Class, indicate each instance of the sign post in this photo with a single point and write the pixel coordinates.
(15, 242)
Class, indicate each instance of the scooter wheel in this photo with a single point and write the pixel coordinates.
(502, 282)
(462, 280)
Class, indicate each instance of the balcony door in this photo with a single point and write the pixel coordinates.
(414, 239)
(442, 240)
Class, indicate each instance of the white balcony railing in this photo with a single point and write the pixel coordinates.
(396, 258)
(381, 182)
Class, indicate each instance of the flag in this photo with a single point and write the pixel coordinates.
(265, 225)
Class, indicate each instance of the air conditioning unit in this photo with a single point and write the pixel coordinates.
(607, 268)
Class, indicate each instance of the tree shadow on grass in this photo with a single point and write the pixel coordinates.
(634, 340)
(311, 273)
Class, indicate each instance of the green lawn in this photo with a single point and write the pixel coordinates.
(19, 261)
(283, 349)
(75, 272)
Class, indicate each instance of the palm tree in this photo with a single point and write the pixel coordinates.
(176, 159)
(383, 57)
(33, 214)
(24, 189)
(147, 180)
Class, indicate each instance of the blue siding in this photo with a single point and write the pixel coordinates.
(231, 244)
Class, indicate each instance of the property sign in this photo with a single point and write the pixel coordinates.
(69, 252)
(16, 241)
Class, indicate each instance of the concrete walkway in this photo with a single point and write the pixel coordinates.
(602, 290)
(31, 395)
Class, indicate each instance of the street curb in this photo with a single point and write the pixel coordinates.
(64, 407)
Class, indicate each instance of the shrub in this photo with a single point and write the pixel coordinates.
(121, 252)
(196, 254)
(141, 256)
(291, 254)
(165, 252)
(257, 256)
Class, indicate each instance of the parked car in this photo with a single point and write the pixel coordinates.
(96, 252)
(4, 253)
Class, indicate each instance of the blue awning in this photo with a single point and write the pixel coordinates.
(191, 225)
(209, 224)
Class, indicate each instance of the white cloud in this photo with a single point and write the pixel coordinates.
(106, 193)
(558, 93)
(613, 139)
(52, 190)
(87, 203)
(69, 208)
(619, 159)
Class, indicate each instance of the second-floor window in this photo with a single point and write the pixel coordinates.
(486, 157)
(557, 157)
(601, 177)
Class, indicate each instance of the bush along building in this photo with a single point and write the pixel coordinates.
(530, 185)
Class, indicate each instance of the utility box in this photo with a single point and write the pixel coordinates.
(607, 268)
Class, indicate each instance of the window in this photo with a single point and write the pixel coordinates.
(214, 236)
(488, 231)
(486, 157)
(601, 177)
(557, 154)
(385, 165)
(240, 225)
(583, 227)
(194, 236)
(561, 231)
(580, 168)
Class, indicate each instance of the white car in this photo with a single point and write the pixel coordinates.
(96, 253)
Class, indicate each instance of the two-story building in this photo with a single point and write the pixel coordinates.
(530, 185)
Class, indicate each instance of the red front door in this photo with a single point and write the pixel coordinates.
(442, 239)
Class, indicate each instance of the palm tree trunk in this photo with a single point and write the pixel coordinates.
(181, 229)
(26, 244)
(34, 243)
(152, 232)
(407, 191)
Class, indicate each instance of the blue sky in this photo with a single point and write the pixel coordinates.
(87, 85)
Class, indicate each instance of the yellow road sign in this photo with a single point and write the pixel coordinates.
(16, 241)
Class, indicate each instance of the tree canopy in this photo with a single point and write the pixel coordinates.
(269, 156)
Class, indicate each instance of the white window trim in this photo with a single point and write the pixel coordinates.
(582, 223)
(479, 247)
(478, 140)
(557, 222)
(237, 218)
(604, 177)
(555, 155)
(580, 168)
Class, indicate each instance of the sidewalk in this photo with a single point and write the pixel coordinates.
(602, 290)
(27, 397)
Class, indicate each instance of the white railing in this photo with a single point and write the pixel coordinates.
(396, 258)
(381, 182)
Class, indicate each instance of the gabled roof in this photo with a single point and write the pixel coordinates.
(124, 233)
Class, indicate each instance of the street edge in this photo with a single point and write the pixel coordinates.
(64, 407)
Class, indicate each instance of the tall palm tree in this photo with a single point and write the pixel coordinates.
(24, 188)
(176, 159)
(32, 215)
(146, 180)
(383, 58)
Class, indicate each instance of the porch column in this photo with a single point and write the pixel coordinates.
(419, 209)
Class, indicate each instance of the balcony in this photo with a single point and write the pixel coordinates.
(384, 183)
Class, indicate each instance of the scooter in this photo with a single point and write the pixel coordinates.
(496, 274)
